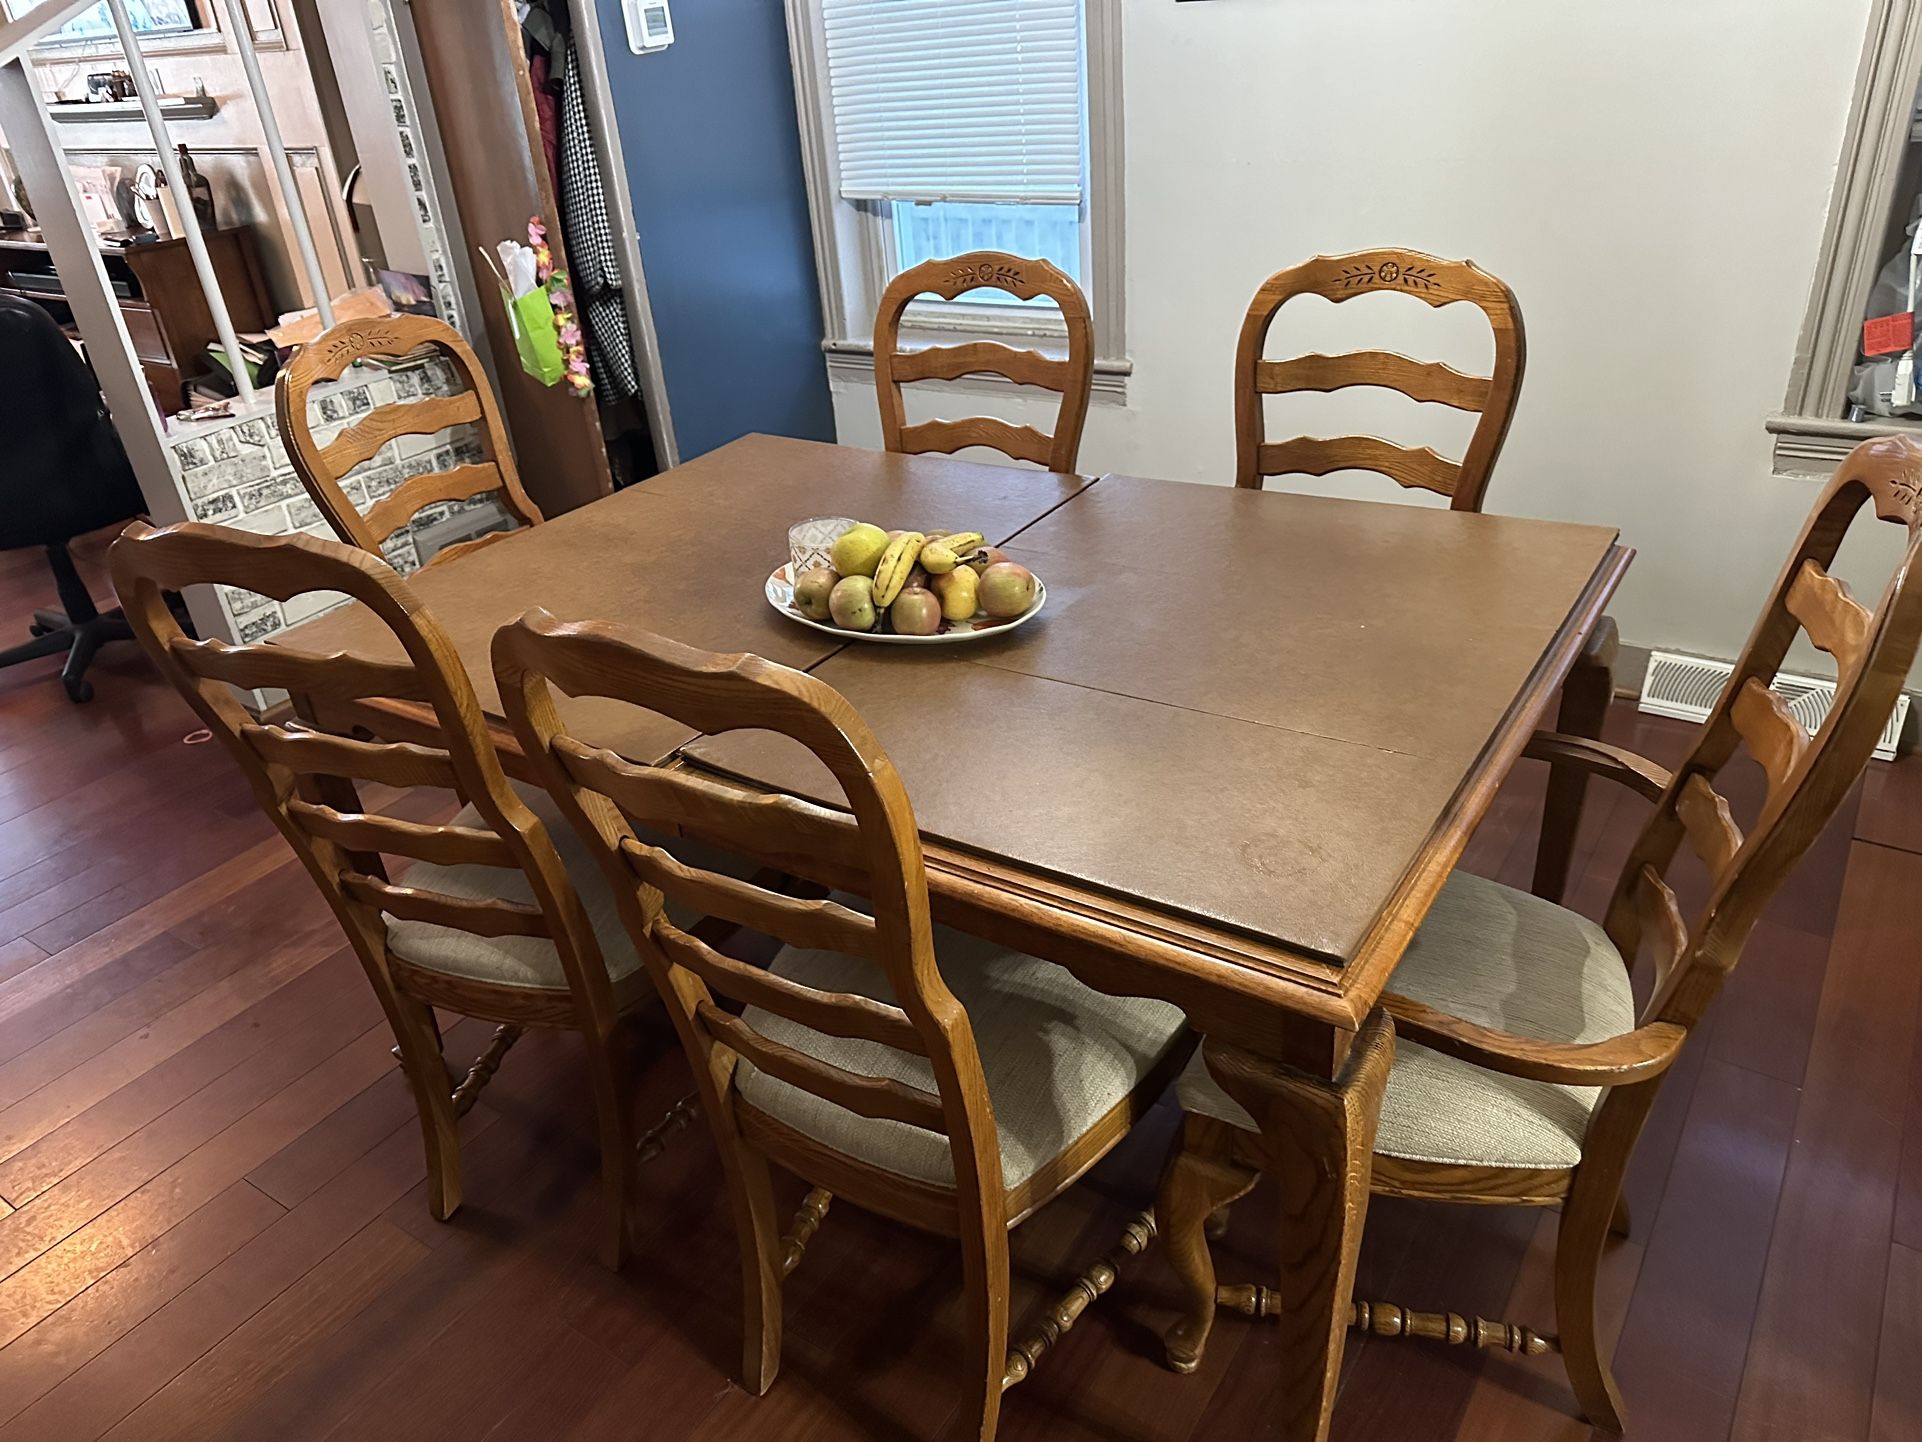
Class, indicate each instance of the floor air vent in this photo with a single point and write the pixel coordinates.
(1687, 687)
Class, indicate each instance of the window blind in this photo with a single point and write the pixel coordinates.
(970, 100)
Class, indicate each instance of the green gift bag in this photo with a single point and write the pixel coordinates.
(534, 335)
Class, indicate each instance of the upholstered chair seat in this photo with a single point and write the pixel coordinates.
(1504, 959)
(1058, 1057)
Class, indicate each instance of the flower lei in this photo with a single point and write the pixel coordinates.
(561, 297)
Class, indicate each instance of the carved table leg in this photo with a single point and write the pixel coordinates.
(1203, 1176)
(1317, 1141)
(1585, 696)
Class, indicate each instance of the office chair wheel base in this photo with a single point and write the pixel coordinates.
(79, 690)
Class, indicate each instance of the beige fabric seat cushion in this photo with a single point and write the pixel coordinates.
(1058, 1056)
(532, 961)
(1501, 958)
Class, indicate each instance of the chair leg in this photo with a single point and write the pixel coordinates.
(426, 1070)
(763, 1266)
(1586, 1221)
(610, 1076)
(1585, 698)
(984, 1363)
(1201, 1179)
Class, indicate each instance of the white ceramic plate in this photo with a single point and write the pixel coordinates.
(780, 595)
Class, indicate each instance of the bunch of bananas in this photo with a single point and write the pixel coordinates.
(910, 549)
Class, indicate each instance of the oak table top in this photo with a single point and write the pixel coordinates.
(1235, 757)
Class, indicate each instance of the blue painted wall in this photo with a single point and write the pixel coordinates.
(714, 162)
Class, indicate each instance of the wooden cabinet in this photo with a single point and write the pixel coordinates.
(159, 296)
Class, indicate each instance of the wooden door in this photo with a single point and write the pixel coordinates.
(476, 77)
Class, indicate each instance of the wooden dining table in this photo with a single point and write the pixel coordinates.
(1229, 765)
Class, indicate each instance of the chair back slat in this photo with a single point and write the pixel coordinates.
(401, 764)
(338, 677)
(1828, 611)
(816, 925)
(460, 913)
(1422, 468)
(1775, 738)
(1808, 776)
(323, 469)
(874, 847)
(776, 827)
(983, 357)
(465, 481)
(852, 1016)
(307, 775)
(366, 832)
(1709, 823)
(1340, 278)
(1431, 381)
(944, 438)
(883, 1098)
(1071, 376)
(364, 440)
(1662, 926)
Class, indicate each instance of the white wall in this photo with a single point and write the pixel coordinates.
(1651, 177)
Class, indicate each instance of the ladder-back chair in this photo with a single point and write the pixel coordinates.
(487, 921)
(1341, 278)
(1524, 1071)
(938, 1080)
(1338, 278)
(323, 468)
(1072, 375)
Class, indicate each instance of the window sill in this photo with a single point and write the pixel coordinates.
(854, 361)
(1811, 447)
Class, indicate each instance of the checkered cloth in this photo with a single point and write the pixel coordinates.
(590, 247)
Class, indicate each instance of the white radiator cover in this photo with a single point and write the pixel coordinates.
(1687, 687)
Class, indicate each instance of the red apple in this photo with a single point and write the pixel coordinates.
(1007, 590)
(916, 613)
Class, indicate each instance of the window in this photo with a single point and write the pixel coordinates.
(924, 230)
(1854, 372)
(933, 127)
(159, 17)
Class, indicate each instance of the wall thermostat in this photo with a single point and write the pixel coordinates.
(649, 25)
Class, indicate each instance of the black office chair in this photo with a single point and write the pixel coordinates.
(62, 473)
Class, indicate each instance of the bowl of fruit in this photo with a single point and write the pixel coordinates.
(910, 588)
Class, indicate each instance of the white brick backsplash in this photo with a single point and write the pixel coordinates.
(270, 522)
(262, 625)
(265, 493)
(241, 603)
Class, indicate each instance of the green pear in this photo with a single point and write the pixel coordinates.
(858, 551)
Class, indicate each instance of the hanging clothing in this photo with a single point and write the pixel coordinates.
(590, 246)
(547, 111)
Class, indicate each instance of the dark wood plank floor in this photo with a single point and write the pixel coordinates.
(212, 1221)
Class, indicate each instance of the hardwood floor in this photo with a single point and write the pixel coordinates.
(212, 1216)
